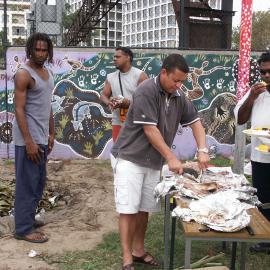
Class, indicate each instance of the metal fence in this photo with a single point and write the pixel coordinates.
(111, 23)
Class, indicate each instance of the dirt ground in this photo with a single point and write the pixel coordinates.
(84, 213)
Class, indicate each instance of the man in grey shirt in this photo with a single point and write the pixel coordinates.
(143, 146)
(33, 134)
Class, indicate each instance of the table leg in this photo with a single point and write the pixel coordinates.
(243, 256)
(187, 252)
(233, 257)
(172, 242)
(166, 232)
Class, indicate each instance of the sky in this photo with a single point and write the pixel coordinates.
(258, 5)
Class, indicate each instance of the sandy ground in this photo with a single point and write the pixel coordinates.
(85, 213)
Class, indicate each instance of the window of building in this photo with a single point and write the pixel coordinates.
(119, 16)
(96, 42)
(151, 12)
(139, 3)
(163, 33)
(163, 21)
(139, 38)
(139, 26)
(163, 44)
(157, 1)
(156, 44)
(111, 34)
(111, 15)
(171, 32)
(170, 8)
(103, 43)
(145, 2)
(139, 13)
(111, 24)
(118, 35)
(156, 34)
(163, 9)
(171, 43)
(128, 28)
(157, 23)
(171, 20)
(133, 28)
(128, 39)
(150, 36)
(128, 6)
(157, 11)
(144, 25)
(133, 16)
(151, 24)
(144, 37)
(118, 26)
(145, 13)
(133, 38)
(111, 43)
(133, 5)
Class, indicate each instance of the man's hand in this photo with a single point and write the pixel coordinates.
(203, 160)
(175, 166)
(116, 102)
(33, 152)
(50, 143)
(257, 89)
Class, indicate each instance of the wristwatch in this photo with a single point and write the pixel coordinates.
(203, 150)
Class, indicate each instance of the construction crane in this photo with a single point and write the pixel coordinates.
(88, 19)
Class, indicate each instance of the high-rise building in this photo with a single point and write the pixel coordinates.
(149, 23)
(17, 11)
(111, 35)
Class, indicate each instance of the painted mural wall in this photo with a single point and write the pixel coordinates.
(83, 123)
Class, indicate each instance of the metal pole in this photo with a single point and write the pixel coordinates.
(182, 25)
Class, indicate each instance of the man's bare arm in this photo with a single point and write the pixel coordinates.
(106, 95)
(22, 81)
(155, 138)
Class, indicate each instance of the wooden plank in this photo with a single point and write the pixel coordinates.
(259, 224)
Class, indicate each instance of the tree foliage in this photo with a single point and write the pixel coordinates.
(260, 39)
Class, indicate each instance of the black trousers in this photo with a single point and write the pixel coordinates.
(261, 181)
(30, 183)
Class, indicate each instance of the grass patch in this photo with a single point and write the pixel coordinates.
(107, 255)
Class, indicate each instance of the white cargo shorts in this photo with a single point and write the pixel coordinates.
(134, 187)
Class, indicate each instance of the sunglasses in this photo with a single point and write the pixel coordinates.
(264, 71)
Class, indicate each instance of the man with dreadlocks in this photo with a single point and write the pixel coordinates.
(33, 134)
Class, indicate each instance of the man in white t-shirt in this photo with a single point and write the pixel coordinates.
(119, 87)
(254, 106)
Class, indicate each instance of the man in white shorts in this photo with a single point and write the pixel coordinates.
(143, 145)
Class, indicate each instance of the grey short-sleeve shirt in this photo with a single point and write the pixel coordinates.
(152, 106)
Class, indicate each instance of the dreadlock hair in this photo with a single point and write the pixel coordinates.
(31, 43)
(126, 51)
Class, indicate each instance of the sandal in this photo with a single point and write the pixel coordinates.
(128, 267)
(152, 262)
(38, 237)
